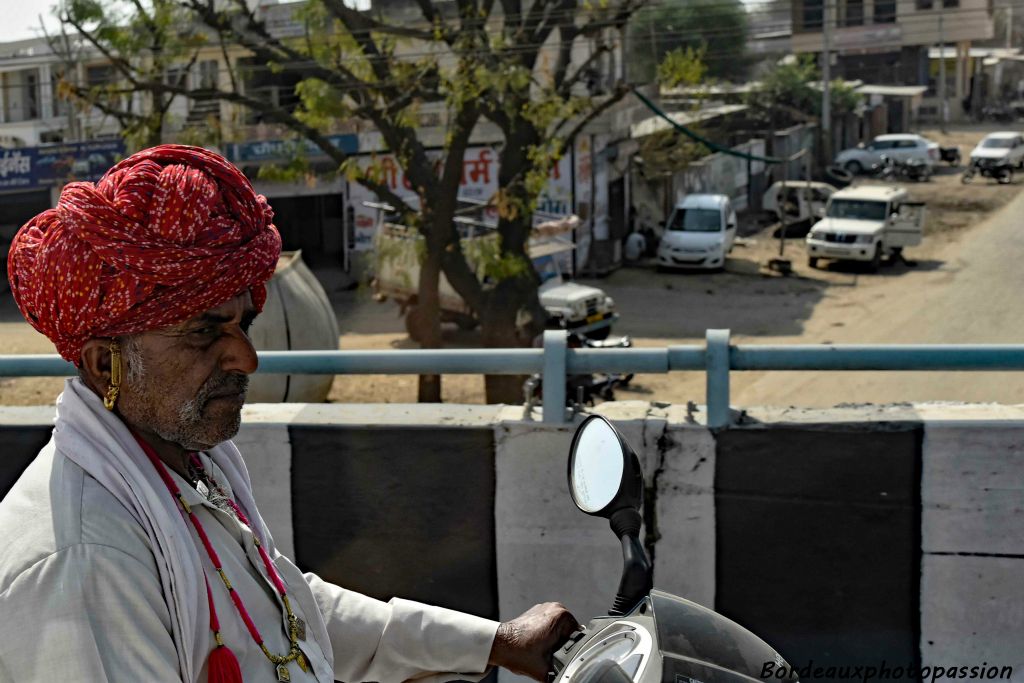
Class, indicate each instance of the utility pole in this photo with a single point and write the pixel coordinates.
(826, 83)
(943, 103)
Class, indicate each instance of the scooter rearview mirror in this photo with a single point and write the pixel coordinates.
(605, 480)
(604, 472)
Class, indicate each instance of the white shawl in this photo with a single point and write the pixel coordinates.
(100, 443)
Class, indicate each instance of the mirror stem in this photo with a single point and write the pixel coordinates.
(637, 573)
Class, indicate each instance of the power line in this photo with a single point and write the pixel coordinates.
(662, 35)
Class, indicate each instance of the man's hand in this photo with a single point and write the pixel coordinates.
(525, 644)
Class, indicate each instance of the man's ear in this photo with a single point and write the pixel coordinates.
(95, 365)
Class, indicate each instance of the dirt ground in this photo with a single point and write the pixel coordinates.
(960, 286)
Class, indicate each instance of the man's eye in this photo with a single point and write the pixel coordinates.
(203, 331)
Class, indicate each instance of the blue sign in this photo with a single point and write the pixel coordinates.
(275, 150)
(30, 168)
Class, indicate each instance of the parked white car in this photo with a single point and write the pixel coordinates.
(699, 233)
(1006, 145)
(866, 223)
(800, 200)
(898, 147)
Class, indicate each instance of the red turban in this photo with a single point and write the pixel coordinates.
(166, 234)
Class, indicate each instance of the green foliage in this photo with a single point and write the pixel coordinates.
(793, 86)
(844, 98)
(485, 256)
(717, 26)
(683, 67)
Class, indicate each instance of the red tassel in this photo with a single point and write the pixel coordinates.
(222, 666)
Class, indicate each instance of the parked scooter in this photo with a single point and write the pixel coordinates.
(648, 636)
(1000, 170)
(584, 390)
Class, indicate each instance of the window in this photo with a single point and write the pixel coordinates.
(812, 12)
(206, 78)
(31, 94)
(907, 144)
(99, 74)
(276, 88)
(885, 11)
(852, 13)
(696, 220)
(881, 144)
(859, 209)
(950, 3)
(923, 4)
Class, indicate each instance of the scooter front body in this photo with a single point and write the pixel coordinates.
(668, 639)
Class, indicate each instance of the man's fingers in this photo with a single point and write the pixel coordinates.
(525, 644)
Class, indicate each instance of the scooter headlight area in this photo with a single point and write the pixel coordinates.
(649, 635)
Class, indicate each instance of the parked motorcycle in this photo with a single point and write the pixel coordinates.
(648, 636)
(584, 390)
(914, 169)
(951, 155)
(999, 170)
(883, 170)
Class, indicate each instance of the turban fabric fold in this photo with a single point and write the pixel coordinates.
(166, 234)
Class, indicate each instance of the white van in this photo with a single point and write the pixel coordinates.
(699, 233)
(866, 223)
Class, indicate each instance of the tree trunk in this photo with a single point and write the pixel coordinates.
(425, 318)
(500, 328)
(512, 315)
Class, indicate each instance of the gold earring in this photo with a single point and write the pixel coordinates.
(115, 376)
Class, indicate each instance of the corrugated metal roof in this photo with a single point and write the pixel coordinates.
(654, 124)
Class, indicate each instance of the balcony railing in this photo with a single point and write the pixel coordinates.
(716, 357)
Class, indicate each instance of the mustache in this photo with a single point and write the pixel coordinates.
(223, 385)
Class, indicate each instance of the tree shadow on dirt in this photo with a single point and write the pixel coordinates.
(744, 298)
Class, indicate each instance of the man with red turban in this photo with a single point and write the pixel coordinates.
(134, 550)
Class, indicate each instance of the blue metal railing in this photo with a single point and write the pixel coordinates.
(717, 357)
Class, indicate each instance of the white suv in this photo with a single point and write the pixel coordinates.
(898, 147)
(1002, 145)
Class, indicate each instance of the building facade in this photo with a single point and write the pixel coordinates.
(887, 41)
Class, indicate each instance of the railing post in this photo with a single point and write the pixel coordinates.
(555, 344)
(717, 369)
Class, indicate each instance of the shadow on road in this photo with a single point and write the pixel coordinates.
(684, 304)
(888, 269)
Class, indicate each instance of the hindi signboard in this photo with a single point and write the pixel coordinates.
(31, 168)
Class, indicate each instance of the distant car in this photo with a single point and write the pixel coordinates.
(802, 201)
(898, 147)
(699, 232)
(1003, 146)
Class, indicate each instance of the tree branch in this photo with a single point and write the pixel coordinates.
(359, 27)
(621, 90)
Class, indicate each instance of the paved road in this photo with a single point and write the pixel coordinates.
(974, 297)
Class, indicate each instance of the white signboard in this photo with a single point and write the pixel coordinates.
(479, 182)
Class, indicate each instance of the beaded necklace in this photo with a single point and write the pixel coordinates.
(296, 627)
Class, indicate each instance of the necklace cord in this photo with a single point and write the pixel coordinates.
(294, 651)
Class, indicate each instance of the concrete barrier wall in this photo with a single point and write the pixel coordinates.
(857, 537)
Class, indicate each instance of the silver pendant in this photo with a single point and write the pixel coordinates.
(203, 489)
(300, 628)
(282, 673)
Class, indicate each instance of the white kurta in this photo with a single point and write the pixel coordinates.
(81, 598)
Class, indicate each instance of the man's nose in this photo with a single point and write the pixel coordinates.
(239, 354)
